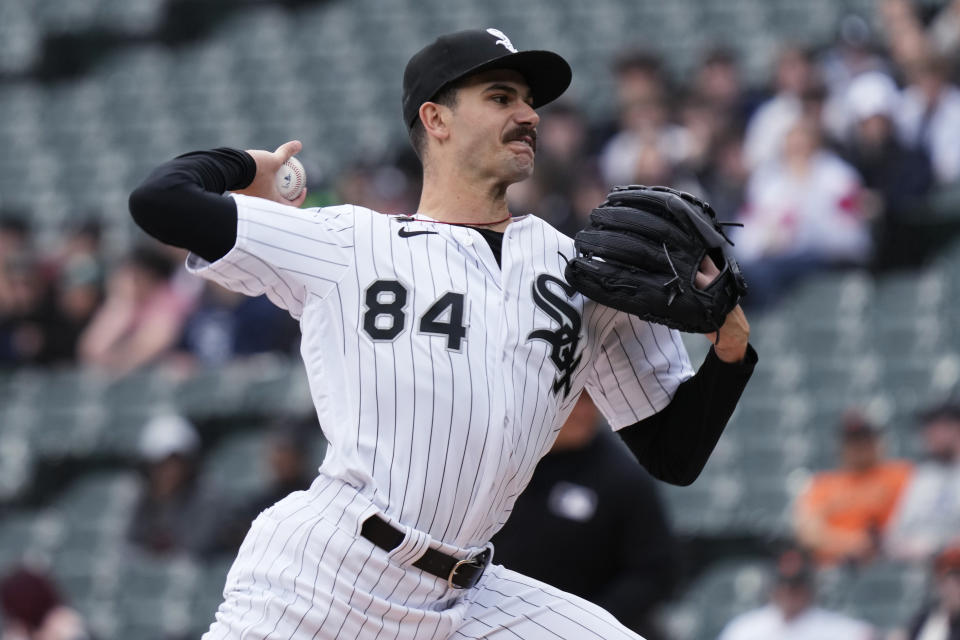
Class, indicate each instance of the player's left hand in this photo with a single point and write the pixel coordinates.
(730, 340)
(264, 184)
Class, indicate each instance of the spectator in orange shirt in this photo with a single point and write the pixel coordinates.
(842, 514)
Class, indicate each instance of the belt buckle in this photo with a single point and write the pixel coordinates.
(474, 560)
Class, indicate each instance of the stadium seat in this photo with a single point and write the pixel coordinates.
(236, 465)
(724, 590)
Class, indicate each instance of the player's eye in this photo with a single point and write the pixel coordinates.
(500, 98)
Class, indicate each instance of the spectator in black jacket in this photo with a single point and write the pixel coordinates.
(291, 464)
(897, 177)
(590, 522)
(175, 513)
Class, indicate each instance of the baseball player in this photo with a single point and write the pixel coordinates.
(443, 350)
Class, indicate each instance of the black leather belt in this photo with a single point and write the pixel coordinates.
(459, 574)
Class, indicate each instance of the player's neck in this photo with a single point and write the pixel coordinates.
(458, 202)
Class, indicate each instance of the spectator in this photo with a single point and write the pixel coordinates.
(795, 75)
(646, 134)
(290, 466)
(587, 191)
(704, 125)
(561, 161)
(591, 496)
(638, 77)
(82, 240)
(227, 325)
(75, 296)
(802, 214)
(381, 186)
(941, 619)
(852, 53)
(141, 318)
(929, 116)
(792, 613)
(725, 177)
(842, 515)
(22, 292)
(173, 513)
(288, 456)
(897, 177)
(34, 610)
(928, 516)
(718, 83)
(14, 243)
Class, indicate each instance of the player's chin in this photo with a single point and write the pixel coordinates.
(521, 167)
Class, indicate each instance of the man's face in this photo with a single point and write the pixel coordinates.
(493, 127)
(792, 599)
(860, 452)
(941, 439)
(948, 589)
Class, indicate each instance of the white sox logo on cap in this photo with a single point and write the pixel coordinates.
(503, 39)
(456, 55)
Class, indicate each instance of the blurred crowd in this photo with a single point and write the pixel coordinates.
(71, 308)
(592, 496)
(846, 158)
(832, 164)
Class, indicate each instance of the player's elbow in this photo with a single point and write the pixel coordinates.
(684, 479)
(682, 475)
(149, 206)
(140, 205)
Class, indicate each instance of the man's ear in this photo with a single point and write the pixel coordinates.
(435, 120)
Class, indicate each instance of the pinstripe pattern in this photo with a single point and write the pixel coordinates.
(438, 433)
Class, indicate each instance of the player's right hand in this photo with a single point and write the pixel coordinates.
(264, 184)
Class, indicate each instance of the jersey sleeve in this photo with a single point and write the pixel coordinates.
(284, 252)
(637, 370)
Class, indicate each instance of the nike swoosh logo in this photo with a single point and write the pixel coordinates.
(403, 233)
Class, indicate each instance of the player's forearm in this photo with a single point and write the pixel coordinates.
(181, 202)
(675, 443)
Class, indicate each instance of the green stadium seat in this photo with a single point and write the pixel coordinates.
(885, 593)
(236, 465)
(724, 590)
(208, 593)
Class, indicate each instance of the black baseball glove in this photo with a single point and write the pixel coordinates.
(640, 254)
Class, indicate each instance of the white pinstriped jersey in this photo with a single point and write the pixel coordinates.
(439, 377)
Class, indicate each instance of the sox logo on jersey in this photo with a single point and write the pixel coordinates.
(565, 339)
(440, 378)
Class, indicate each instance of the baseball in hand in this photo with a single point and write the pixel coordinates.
(291, 179)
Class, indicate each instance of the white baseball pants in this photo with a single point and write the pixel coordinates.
(305, 573)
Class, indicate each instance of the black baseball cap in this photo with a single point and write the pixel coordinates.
(456, 55)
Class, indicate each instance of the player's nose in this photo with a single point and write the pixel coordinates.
(526, 115)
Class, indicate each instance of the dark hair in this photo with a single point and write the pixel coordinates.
(642, 60)
(86, 225)
(447, 96)
(719, 54)
(151, 260)
(28, 597)
(15, 222)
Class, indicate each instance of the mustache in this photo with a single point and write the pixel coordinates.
(521, 132)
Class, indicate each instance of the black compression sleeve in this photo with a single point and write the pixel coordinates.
(181, 202)
(675, 443)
